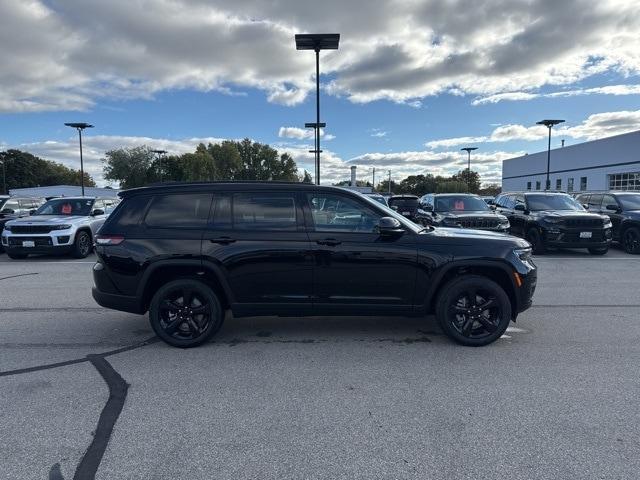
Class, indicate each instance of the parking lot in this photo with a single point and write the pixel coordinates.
(89, 391)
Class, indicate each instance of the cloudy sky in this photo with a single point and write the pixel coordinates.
(412, 82)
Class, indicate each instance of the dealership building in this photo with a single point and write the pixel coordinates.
(611, 163)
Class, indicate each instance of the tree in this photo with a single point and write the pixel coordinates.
(261, 162)
(226, 158)
(306, 177)
(22, 169)
(383, 187)
(471, 178)
(452, 186)
(131, 167)
(491, 189)
(418, 184)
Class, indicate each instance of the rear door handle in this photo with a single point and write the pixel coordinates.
(331, 242)
(222, 240)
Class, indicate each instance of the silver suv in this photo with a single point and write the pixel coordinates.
(62, 225)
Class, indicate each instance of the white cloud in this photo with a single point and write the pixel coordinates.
(302, 133)
(69, 55)
(379, 134)
(519, 96)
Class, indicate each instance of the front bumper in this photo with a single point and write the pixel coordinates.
(42, 244)
(565, 238)
(526, 290)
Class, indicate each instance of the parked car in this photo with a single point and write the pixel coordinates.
(408, 206)
(16, 207)
(462, 210)
(489, 200)
(550, 219)
(186, 253)
(378, 198)
(61, 225)
(623, 208)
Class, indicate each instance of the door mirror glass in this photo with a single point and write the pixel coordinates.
(32, 211)
(586, 206)
(390, 226)
(97, 211)
(519, 207)
(612, 207)
(7, 211)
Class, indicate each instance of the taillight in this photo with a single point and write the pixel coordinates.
(109, 239)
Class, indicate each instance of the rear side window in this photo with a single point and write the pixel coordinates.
(264, 211)
(130, 212)
(179, 211)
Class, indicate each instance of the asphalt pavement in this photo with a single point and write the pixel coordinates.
(87, 392)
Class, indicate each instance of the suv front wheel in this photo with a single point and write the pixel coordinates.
(185, 313)
(82, 245)
(473, 310)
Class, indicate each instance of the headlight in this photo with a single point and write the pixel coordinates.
(552, 219)
(450, 222)
(503, 221)
(7, 228)
(61, 227)
(524, 254)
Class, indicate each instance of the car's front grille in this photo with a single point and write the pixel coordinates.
(30, 229)
(38, 241)
(478, 223)
(582, 222)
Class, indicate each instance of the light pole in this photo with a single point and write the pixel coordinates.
(80, 127)
(469, 150)
(317, 42)
(316, 149)
(549, 124)
(159, 153)
(4, 177)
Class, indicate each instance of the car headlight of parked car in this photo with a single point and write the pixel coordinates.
(61, 227)
(450, 222)
(503, 222)
(7, 228)
(524, 255)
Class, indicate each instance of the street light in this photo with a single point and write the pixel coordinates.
(4, 177)
(80, 127)
(469, 150)
(316, 150)
(159, 153)
(317, 42)
(549, 124)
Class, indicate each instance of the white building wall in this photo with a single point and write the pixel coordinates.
(595, 160)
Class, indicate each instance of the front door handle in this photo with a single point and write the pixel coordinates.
(331, 242)
(222, 240)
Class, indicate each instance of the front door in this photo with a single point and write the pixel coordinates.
(258, 241)
(354, 265)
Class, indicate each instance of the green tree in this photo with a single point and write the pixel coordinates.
(261, 162)
(306, 177)
(22, 169)
(492, 189)
(130, 167)
(471, 178)
(451, 186)
(198, 166)
(226, 157)
(383, 187)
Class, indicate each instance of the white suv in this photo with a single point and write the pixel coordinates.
(62, 225)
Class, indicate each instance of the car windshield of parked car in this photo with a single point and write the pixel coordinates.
(552, 202)
(2, 202)
(404, 202)
(388, 212)
(460, 203)
(66, 206)
(378, 198)
(630, 202)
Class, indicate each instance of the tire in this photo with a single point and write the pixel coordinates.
(82, 245)
(477, 327)
(537, 243)
(599, 251)
(630, 239)
(16, 256)
(174, 320)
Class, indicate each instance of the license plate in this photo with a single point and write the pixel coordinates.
(406, 213)
(586, 234)
(28, 243)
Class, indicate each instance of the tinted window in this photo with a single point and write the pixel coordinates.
(131, 211)
(595, 201)
(552, 202)
(608, 200)
(221, 212)
(179, 211)
(334, 213)
(264, 211)
(630, 202)
(460, 203)
(403, 202)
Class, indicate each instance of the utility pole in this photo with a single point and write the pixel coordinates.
(374, 179)
(389, 182)
(80, 127)
(549, 124)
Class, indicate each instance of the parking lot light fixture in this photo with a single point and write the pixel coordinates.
(317, 42)
(549, 124)
(80, 127)
(159, 153)
(469, 150)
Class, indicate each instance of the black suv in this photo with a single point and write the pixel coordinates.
(408, 206)
(462, 210)
(623, 208)
(550, 219)
(188, 252)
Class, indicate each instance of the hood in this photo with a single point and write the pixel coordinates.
(469, 236)
(47, 220)
(477, 214)
(566, 214)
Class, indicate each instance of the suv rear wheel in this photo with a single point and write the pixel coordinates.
(473, 310)
(82, 245)
(185, 313)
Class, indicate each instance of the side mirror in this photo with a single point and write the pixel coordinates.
(613, 207)
(520, 207)
(427, 208)
(388, 226)
(492, 206)
(394, 207)
(97, 211)
(585, 206)
(32, 211)
(8, 211)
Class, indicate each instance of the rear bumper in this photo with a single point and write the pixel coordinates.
(113, 301)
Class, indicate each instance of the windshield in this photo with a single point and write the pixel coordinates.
(388, 212)
(630, 202)
(66, 206)
(460, 203)
(378, 198)
(403, 202)
(2, 202)
(552, 202)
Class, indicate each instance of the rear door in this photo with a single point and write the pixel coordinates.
(256, 239)
(518, 219)
(615, 216)
(357, 270)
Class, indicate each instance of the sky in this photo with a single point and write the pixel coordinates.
(411, 84)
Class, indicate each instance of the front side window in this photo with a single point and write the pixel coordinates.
(595, 201)
(630, 202)
(552, 202)
(178, 211)
(608, 200)
(264, 211)
(66, 207)
(335, 213)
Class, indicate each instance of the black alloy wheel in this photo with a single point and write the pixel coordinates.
(473, 310)
(185, 313)
(631, 240)
(82, 245)
(534, 237)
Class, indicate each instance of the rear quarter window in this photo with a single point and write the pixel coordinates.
(129, 212)
(186, 210)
